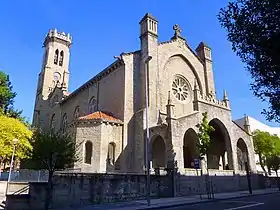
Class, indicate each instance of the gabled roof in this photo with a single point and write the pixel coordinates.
(99, 115)
(186, 44)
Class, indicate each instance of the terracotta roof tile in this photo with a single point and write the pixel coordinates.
(100, 115)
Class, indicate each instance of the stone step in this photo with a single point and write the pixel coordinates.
(2, 205)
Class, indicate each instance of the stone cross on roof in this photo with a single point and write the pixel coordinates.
(177, 30)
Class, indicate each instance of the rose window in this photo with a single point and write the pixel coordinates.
(180, 88)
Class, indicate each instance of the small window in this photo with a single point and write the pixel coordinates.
(92, 105)
(64, 123)
(56, 56)
(61, 58)
(88, 152)
(111, 153)
(76, 113)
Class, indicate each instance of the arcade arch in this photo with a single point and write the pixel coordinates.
(220, 152)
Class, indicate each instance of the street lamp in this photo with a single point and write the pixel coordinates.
(15, 141)
(148, 132)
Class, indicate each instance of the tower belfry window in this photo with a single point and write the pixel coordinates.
(61, 57)
(56, 56)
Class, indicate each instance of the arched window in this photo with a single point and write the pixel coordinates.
(61, 57)
(92, 105)
(76, 113)
(56, 56)
(52, 123)
(111, 153)
(88, 152)
(64, 123)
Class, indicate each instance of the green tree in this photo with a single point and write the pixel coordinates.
(11, 128)
(204, 131)
(6, 94)
(265, 146)
(253, 28)
(273, 163)
(52, 151)
(7, 97)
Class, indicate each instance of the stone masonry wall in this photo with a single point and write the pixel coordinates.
(73, 190)
(192, 182)
(81, 189)
(88, 132)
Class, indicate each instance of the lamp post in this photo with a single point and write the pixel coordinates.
(147, 131)
(15, 141)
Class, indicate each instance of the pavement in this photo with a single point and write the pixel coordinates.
(3, 185)
(225, 201)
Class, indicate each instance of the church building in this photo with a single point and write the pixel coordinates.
(107, 114)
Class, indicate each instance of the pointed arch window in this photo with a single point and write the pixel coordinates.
(76, 113)
(61, 58)
(88, 152)
(64, 123)
(92, 107)
(56, 56)
(111, 153)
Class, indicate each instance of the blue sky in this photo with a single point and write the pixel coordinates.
(102, 29)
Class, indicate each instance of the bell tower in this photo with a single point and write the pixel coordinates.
(54, 72)
(55, 63)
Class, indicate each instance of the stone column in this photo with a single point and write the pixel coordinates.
(169, 142)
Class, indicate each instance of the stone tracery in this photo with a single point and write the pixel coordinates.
(180, 88)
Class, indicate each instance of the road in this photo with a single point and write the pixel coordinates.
(261, 202)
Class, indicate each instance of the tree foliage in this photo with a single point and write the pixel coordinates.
(10, 129)
(204, 131)
(6, 94)
(253, 28)
(7, 97)
(273, 163)
(52, 151)
(267, 147)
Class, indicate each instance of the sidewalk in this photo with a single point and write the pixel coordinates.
(3, 185)
(174, 201)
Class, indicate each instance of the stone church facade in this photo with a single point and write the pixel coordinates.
(107, 114)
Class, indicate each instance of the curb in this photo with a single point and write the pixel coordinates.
(206, 201)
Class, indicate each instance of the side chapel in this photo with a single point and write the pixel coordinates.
(106, 115)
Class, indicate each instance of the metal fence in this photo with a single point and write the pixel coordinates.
(25, 175)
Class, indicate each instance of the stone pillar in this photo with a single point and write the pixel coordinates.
(196, 93)
(169, 143)
(225, 99)
(204, 53)
(247, 124)
(203, 164)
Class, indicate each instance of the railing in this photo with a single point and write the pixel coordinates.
(25, 175)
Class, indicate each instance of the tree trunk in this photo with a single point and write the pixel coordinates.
(262, 165)
(49, 191)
